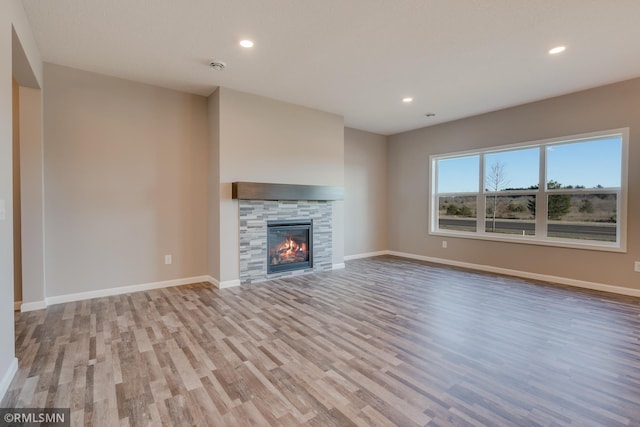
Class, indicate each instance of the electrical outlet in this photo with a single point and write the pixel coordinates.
(444, 244)
(168, 259)
(636, 266)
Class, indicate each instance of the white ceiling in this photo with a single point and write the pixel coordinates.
(357, 58)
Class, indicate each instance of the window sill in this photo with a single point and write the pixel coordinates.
(532, 240)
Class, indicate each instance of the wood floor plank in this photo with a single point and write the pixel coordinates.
(386, 341)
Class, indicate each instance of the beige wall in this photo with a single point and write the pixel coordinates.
(265, 140)
(32, 195)
(17, 235)
(365, 187)
(125, 182)
(6, 191)
(214, 185)
(13, 25)
(608, 107)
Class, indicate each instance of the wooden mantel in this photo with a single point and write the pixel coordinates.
(267, 191)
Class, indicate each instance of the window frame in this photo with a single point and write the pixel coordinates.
(541, 193)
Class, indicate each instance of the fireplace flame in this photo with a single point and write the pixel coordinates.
(289, 251)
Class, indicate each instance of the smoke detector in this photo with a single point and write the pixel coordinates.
(217, 65)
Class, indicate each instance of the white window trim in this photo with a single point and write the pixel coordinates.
(541, 215)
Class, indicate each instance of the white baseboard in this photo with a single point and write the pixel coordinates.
(229, 284)
(32, 306)
(213, 281)
(124, 290)
(365, 255)
(525, 274)
(8, 377)
(38, 305)
(225, 284)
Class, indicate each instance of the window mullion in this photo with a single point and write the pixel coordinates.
(481, 200)
(434, 196)
(619, 209)
(541, 197)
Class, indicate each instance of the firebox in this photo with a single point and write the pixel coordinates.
(290, 245)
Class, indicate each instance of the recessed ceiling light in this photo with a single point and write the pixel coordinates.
(246, 43)
(407, 99)
(556, 50)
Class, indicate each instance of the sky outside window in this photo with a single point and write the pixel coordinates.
(587, 164)
(458, 174)
(521, 168)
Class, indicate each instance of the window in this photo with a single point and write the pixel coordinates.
(562, 192)
(457, 189)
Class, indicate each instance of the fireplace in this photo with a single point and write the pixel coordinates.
(290, 245)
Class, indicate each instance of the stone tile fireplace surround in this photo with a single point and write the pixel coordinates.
(254, 213)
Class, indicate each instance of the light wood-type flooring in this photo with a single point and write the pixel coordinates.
(386, 341)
